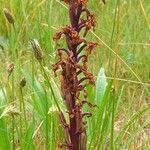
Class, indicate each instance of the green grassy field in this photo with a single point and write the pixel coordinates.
(28, 115)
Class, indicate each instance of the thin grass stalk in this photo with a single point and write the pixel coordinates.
(49, 84)
(46, 110)
(33, 83)
(22, 107)
(20, 119)
(13, 118)
(115, 75)
(47, 123)
(112, 34)
(112, 122)
(11, 87)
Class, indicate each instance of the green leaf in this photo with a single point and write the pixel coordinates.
(2, 97)
(57, 95)
(4, 139)
(27, 139)
(39, 98)
(101, 85)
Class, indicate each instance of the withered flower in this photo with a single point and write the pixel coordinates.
(74, 72)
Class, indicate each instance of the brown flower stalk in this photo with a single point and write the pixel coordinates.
(74, 73)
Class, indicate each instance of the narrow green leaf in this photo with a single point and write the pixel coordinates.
(58, 95)
(4, 139)
(27, 139)
(101, 85)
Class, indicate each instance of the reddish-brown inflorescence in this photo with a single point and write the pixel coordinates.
(74, 74)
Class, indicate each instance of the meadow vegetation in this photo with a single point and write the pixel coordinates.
(30, 93)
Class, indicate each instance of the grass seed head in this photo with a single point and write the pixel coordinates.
(22, 82)
(8, 16)
(10, 68)
(37, 49)
(10, 110)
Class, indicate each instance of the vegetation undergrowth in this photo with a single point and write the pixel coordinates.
(30, 94)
